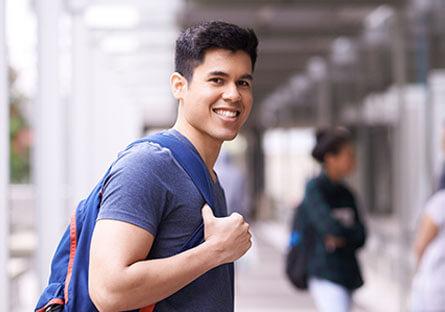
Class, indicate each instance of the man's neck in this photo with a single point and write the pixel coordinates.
(207, 147)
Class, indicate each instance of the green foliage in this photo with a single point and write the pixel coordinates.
(19, 134)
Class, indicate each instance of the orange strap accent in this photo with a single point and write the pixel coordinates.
(73, 246)
(150, 308)
(51, 302)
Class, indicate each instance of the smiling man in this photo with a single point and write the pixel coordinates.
(150, 206)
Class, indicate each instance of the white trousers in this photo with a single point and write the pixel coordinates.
(329, 296)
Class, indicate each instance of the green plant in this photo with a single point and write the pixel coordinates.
(19, 133)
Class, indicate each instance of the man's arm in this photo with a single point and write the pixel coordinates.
(121, 279)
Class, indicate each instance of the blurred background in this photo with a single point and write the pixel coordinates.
(79, 79)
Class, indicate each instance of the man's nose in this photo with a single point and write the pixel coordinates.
(231, 93)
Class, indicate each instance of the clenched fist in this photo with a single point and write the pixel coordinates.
(229, 236)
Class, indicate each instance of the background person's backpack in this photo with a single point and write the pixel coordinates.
(67, 288)
(300, 247)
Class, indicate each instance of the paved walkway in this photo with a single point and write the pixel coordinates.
(261, 284)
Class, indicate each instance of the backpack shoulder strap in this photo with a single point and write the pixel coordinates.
(190, 161)
(195, 167)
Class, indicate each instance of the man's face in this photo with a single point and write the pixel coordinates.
(217, 100)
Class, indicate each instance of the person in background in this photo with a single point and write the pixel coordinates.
(332, 214)
(234, 182)
(428, 288)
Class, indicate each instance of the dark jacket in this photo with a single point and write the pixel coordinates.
(324, 199)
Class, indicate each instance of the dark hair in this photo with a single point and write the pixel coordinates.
(330, 141)
(193, 42)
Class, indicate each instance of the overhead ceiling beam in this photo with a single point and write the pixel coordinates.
(313, 3)
(284, 61)
(292, 45)
(291, 22)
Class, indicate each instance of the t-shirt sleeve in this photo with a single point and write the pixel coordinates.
(435, 208)
(134, 192)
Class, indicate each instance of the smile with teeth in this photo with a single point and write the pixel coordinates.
(227, 113)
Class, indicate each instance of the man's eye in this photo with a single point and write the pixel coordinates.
(244, 83)
(216, 80)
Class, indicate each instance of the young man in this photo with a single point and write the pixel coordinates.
(150, 206)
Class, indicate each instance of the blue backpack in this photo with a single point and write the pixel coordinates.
(67, 288)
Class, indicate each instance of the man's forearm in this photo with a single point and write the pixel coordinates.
(146, 282)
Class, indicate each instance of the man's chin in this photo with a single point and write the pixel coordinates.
(227, 136)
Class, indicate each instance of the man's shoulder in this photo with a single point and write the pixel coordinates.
(145, 155)
(150, 164)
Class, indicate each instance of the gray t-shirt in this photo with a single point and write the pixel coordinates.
(148, 188)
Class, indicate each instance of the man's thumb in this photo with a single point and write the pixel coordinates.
(207, 213)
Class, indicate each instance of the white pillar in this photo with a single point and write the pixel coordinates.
(48, 129)
(4, 165)
(80, 111)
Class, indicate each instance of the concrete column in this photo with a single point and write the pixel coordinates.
(364, 174)
(398, 60)
(256, 167)
(4, 165)
(80, 117)
(401, 153)
(437, 85)
(48, 166)
(324, 101)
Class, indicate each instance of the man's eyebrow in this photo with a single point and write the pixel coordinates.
(218, 73)
(224, 74)
(247, 76)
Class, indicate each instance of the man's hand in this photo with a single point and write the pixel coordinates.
(230, 236)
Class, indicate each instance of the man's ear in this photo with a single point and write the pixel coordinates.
(178, 85)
